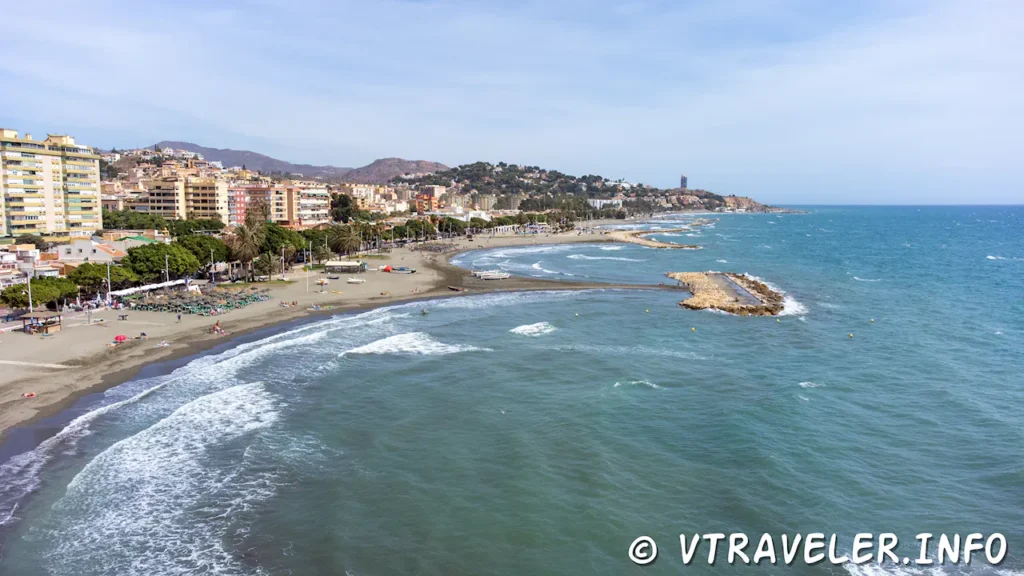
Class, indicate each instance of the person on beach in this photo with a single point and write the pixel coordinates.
(179, 318)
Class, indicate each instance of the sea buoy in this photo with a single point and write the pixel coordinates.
(777, 320)
(647, 311)
(851, 335)
(693, 329)
(872, 319)
(577, 314)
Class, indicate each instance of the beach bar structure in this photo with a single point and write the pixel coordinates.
(344, 267)
(41, 323)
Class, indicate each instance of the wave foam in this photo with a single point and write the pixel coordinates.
(611, 248)
(790, 306)
(412, 343)
(156, 502)
(538, 329)
(810, 385)
(867, 279)
(638, 383)
(722, 261)
(585, 257)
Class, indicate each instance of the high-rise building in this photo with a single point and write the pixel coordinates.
(682, 181)
(49, 187)
(176, 197)
(486, 202)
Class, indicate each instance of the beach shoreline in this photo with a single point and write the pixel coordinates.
(91, 368)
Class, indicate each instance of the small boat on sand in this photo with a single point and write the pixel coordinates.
(494, 275)
(356, 280)
(457, 288)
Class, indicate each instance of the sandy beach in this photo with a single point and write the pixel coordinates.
(77, 360)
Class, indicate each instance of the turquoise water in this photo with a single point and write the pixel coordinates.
(541, 433)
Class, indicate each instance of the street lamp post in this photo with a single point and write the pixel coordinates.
(213, 277)
(167, 267)
(30, 307)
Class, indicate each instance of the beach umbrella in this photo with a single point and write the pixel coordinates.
(120, 338)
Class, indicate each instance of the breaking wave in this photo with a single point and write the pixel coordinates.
(149, 503)
(585, 257)
(790, 306)
(417, 343)
(538, 329)
(810, 385)
(867, 279)
(638, 383)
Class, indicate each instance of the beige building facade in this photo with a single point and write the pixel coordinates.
(50, 188)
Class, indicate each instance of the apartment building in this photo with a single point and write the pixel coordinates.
(206, 198)
(314, 206)
(238, 202)
(486, 202)
(176, 197)
(50, 187)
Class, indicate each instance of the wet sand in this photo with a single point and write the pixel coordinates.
(77, 360)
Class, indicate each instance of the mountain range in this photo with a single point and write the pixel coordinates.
(378, 172)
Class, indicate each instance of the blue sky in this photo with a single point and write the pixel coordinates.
(789, 101)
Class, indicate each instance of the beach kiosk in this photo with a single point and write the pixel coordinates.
(344, 267)
(41, 323)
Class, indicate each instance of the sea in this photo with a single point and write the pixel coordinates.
(544, 432)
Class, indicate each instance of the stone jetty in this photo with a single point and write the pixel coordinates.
(637, 237)
(729, 292)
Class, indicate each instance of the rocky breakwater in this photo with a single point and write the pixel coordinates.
(729, 292)
(637, 237)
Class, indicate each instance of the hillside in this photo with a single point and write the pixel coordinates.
(378, 172)
(384, 170)
(540, 189)
(255, 160)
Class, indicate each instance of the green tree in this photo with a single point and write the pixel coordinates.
(203, 246)
(34, 239)
(16, 296)
(131, 220)
(321, 253)
(277, 236)
(181, 228)
(345, 239)
(92, 278)
(342, 207)
(149, 261)
(267, 265)
(44, 291)
(245, 244)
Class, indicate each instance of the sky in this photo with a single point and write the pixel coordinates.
(787, 101)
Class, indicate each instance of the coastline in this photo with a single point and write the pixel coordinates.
(91, 368)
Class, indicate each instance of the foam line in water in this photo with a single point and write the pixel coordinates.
(417, 343)
(585, 257)
(647, 383)
(867, 279)
(790, 306)
(159, 502)
(538, 329)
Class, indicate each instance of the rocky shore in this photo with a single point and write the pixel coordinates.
(729, 292)
(637, 237)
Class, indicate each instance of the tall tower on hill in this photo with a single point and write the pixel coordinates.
(682, 181)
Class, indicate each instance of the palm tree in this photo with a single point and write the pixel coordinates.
(345, 239)
(245, 244)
